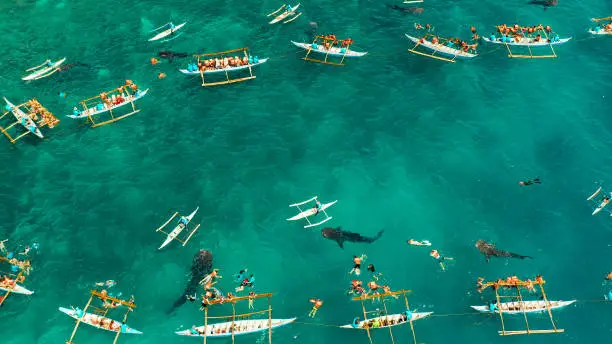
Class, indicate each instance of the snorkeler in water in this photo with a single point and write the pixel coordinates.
(530, 182)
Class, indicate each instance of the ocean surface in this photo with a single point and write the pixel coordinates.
(418, 147)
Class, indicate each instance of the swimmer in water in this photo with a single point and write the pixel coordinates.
(161, 75)
(62, 94)
(2, 247)
(191, 298)
(609, 277)
(154, 61)
(108, 284)
(418, 243)
(317, 304)
(436, 255)
(210, 278)
(357, 264)
(530, 182)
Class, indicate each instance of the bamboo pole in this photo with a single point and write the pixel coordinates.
(233, 320)
(205, 323)
(499, 308)
(270, 319)
(79, 321)
(410, 320)
(387, 319)
(548, 307)
(365, 319)
(522, 304)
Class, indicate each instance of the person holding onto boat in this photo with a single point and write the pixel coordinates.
(357, 264)
(440, 259)
(530, 182)
(317, 304)
(418, 243)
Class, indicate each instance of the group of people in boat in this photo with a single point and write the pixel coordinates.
(8, 282)
(120, 96)
(383, 321)
(46, 117)
(525, 34)
(454, 43)
(228, 327)
(222, 63)
(100, 321)
(511, 282)
(330, 41)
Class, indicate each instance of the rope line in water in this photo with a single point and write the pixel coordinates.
(439, 315)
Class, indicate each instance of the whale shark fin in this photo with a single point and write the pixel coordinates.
(340, 243)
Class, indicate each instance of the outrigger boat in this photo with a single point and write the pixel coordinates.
(602, 29)
(536, 36)
(600, 203)
(290, 12)
(440, 46)
(388, 320)
(171, 29)
(182, 224)
(23, 119)
(234, 328)
(43, 70)
(520, 307)
(413, 1)
(305, 214)
(10, 282)
(99, 317)
(98, 321)
(222, 62)
(109, 101)
(328, 45)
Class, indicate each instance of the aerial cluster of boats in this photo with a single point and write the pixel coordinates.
(330, 50)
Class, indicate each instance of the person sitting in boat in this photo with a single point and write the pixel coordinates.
(317, 207)
(347, 42)
(183, 221)
(435, 40)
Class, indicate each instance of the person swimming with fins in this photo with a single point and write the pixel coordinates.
(530, 182)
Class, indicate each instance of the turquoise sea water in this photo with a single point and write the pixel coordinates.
(417, 147)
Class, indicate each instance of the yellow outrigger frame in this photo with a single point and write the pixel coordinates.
(50, 120)
(19, 278)
(233, 301)
(538, 29)
(102, 312)
(519, 297)
(245, 50)
(319, 39)
(91, 103)
(382, 297)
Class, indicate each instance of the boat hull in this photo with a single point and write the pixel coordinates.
(528, 306)
(177, 230)
(311, 211)
(17, 289)
(167, 32)
(394, 319)
(229, 70)
(284, 15)
(600, 32)
(333, 51)
(242, 327)
(527, 42)
(19, 114)
(46, 71)
(88, 317)
(442, 49)
(94, 111)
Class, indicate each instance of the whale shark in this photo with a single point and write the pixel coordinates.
(489, 251)
(201, 266)
(340, 236)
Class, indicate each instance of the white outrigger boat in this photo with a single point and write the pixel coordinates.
(601, 203)
(182, 225)
(171, 29)
(305, 214)
(98, 321)
(128, 99)
(16, 289)
(601, 29)
(234, 328)
(440, 48)
(332, 51)
(519, 307)
(23, 119)
(387, 320)
(290, 11)
(192, 69)
(43, 70)
(525, 41)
